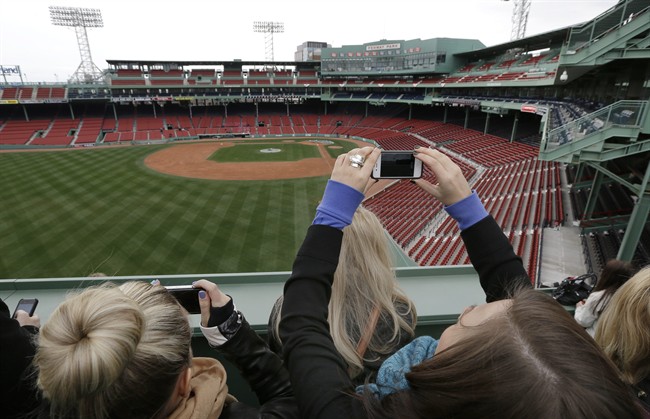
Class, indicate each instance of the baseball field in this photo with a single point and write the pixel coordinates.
(215, 207)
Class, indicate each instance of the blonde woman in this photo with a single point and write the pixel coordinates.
(124, 352)
(624, 333)
(519, 355)
(370, 317)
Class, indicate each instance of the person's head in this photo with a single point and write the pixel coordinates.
(364, 282)
(624, 328)
(115, 352)
(523, 357)
(613, 275)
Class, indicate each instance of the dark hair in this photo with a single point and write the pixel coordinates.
(532, 361)
(614, 274)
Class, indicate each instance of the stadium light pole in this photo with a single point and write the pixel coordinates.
(268, 29)
(519, 18)
(80, 18)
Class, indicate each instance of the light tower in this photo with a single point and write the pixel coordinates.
(268, 29)
(80, 18)
(519, 18)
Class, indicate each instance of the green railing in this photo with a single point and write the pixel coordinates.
(615, 17)
(625, 113)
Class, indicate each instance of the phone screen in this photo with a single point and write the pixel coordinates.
(398, 164)
(187, 297)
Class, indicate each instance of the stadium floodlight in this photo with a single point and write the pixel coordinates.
(519, 19)
(80, 18)
(268, 29)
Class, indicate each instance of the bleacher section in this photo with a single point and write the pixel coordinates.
(522, 193)
(613, 206)
(61, 133)
(21, 132)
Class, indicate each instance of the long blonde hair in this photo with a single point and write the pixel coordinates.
(113, 352)
(365, 282)
(623, 331)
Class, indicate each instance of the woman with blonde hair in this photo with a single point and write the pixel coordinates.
(624, 333)
(370, 317)
(124, 352)
(519, 355)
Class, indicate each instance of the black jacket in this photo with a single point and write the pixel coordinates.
(18, 394)
(266, 374)
(321, 384)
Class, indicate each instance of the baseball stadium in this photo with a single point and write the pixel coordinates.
(180, 170)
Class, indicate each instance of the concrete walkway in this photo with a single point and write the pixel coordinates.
(562, 249)
(561, 255)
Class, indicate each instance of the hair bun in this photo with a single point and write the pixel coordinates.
(87, 343)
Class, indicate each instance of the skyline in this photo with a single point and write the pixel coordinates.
(206, 30)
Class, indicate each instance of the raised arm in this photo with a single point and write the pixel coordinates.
(500, 269)
(321, 383)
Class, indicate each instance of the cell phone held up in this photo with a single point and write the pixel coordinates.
(187, 297)
(27, 305)
(397, 164)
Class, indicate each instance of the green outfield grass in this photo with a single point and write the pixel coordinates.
(76, 212)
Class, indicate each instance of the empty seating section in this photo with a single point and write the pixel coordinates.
(125, 124)
(520, 192)
(59, 133)
(162, 82)
(57, 93)
(307, 77)
(168, 74)
(524, 67)
(43, 93)
(129, 73)
(507, 63)
(521, 196)
(9, 93)
(20, 132)
(148, 123)
(204, 72)
(29, 93)
(127, 82)
(128, 77)
(89, 130)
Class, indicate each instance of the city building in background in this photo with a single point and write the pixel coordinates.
(310, 51)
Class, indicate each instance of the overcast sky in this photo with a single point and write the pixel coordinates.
(223, 30)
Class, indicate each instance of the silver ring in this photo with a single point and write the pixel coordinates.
(356, 160)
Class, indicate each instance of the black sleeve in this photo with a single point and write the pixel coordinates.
(499, 269)
(17, 349)
(321, 383)
(264, 371)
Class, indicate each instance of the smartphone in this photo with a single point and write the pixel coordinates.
(26, 304)
(187, 297)
(397, 164)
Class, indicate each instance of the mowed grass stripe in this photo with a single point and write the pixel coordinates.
(72, 213)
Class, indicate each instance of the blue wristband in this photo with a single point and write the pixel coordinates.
(467, 211)
(338, 206)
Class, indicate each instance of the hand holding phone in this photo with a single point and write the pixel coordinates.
(397, 164)
(27, 305)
